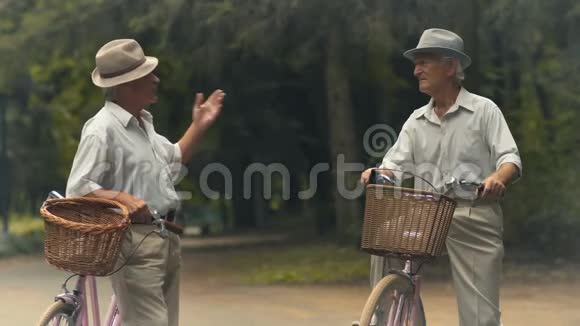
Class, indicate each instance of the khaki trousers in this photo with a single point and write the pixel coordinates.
(475, 248)
(147, 288)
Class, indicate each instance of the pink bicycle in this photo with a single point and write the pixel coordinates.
(70, 307)
(410, 225)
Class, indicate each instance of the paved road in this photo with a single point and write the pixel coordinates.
(28, 284)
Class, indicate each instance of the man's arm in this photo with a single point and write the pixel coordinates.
(504, 153)
(90, 166)
(203, 116)
(507, 173)
(138, 209)
(495, 185)
(189, 141)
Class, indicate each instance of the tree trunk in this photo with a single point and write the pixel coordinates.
(243, 209)
(342, 137)
(259, 203)
(474, 73)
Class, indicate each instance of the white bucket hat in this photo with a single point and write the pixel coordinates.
(436, 40)
(121, 61)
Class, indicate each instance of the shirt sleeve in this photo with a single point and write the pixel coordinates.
(89, 167)
(172, 152)
(172, 155)
(502, 145)
(400, 156)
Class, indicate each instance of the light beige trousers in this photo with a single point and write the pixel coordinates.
(147, 288)
(475, 248)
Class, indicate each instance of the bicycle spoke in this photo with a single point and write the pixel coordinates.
(393, 307)
(56, 321)
(407, 311)
(411, 311)
(399, 310)
(390, 303)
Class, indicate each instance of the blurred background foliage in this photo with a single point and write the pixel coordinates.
(305, 79)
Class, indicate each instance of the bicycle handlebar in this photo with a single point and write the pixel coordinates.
(471, 184)
(379, 178)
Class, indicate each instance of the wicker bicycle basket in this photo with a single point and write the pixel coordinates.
(83, 235)
(405, 222)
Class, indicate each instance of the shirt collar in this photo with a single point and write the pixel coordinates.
(463, 100)
(124, 116)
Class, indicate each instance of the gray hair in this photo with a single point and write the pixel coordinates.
(110, 93)
(459, 72)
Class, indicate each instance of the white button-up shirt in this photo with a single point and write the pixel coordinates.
(115, 153)
(469, 142)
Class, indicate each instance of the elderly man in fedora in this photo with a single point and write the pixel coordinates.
(458, 136)
(121, 157)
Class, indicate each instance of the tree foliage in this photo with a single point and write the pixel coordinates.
(305, 79)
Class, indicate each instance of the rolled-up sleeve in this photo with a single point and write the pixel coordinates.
(502, 145)
(400, 156)
(89, 167)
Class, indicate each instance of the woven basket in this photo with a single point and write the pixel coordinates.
(83, 235)
(405, 222)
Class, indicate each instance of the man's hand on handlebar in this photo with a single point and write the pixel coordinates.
(493, 188)
(381, 176)
(365, 176)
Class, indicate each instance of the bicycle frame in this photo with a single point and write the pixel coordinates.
(399, 311)
(78, 299)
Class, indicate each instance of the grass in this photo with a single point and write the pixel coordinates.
(328, 263)
(26, 235)
(26, 224)
(302, 264)
(310, 261)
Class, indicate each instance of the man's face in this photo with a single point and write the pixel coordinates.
(432, 72)
(144, 89)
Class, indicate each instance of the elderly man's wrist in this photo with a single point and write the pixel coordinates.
(199, 126)
(500, 178)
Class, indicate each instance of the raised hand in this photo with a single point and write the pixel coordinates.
(205, 113)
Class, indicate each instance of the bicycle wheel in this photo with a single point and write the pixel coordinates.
(58, 314)
(392, 293)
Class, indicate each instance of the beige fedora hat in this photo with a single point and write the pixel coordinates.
(121, 61)
(436, 40)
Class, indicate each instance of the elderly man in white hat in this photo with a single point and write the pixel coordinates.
(459, 136)
(121, 157)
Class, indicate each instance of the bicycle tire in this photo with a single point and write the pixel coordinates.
(55, 310)
(382, 290)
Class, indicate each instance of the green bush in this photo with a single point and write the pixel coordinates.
(26, 236)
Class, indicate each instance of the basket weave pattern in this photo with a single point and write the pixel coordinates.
(84, 235)
(405, 222)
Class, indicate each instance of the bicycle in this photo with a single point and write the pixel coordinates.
(70, 307)
(410, 225)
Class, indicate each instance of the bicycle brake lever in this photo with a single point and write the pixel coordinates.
(157, 220)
